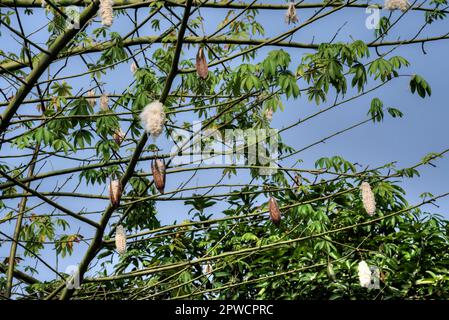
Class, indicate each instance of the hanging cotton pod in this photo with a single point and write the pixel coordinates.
(275, 214)
(133, 68)
(364, 274)
(90, 98)
(158, 171)
(104, 102)
(153, 118)
(330, 271)
(402, 5)
(43, 4)
(207, 269)
(115, 192)
(269, 114)
(118, 136)
(298, 180)
(106, 12)
(120, 239)
(369, 202)
(201, 64)
(290, 16)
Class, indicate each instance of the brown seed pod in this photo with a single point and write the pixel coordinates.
(118, 136)
(298, 180)
(208, 269)
(158, 170)
(201, 64)
(275, 214)
(91, 100)
(115, 192)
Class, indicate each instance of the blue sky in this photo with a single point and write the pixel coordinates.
(422, 130)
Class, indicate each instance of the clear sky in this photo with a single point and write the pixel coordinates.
(423, 128)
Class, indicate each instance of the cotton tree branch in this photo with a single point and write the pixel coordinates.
(13, 65)
(18, 227)
(20, 275)
(119, 4)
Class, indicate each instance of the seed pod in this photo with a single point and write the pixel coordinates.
(158, 170)
(120, 239)
(115, 192)
(56, 103)
(298, 180)
(275, 214)
(364, 274)
(106, 12)
(269, 114)
(118, 136)
(369, 202)
(153, 118)
(208, 268)
(330, 271)
(90, 98)
(201, 64)
(402, 5)
(133, 68)
(290, 16)
(104, 102)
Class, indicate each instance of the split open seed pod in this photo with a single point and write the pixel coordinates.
(158, 170)
(106, 12)
(208, 269)
(115, 192)
(118, 136)
(104, 102)
(91, 100)
(290, 16)
(120, 239)
(368, 199)
(297, 180)
(275, 214)
(201, 64)
(134, 68)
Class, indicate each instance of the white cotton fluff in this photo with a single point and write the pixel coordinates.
(133, 68)
(402, 5)
(364, 274)
(290, 16)
(106, 12)
(104, 102)
(153, 118)
(43, 4)
(120, 240)
(90, 98)
(368, 200)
